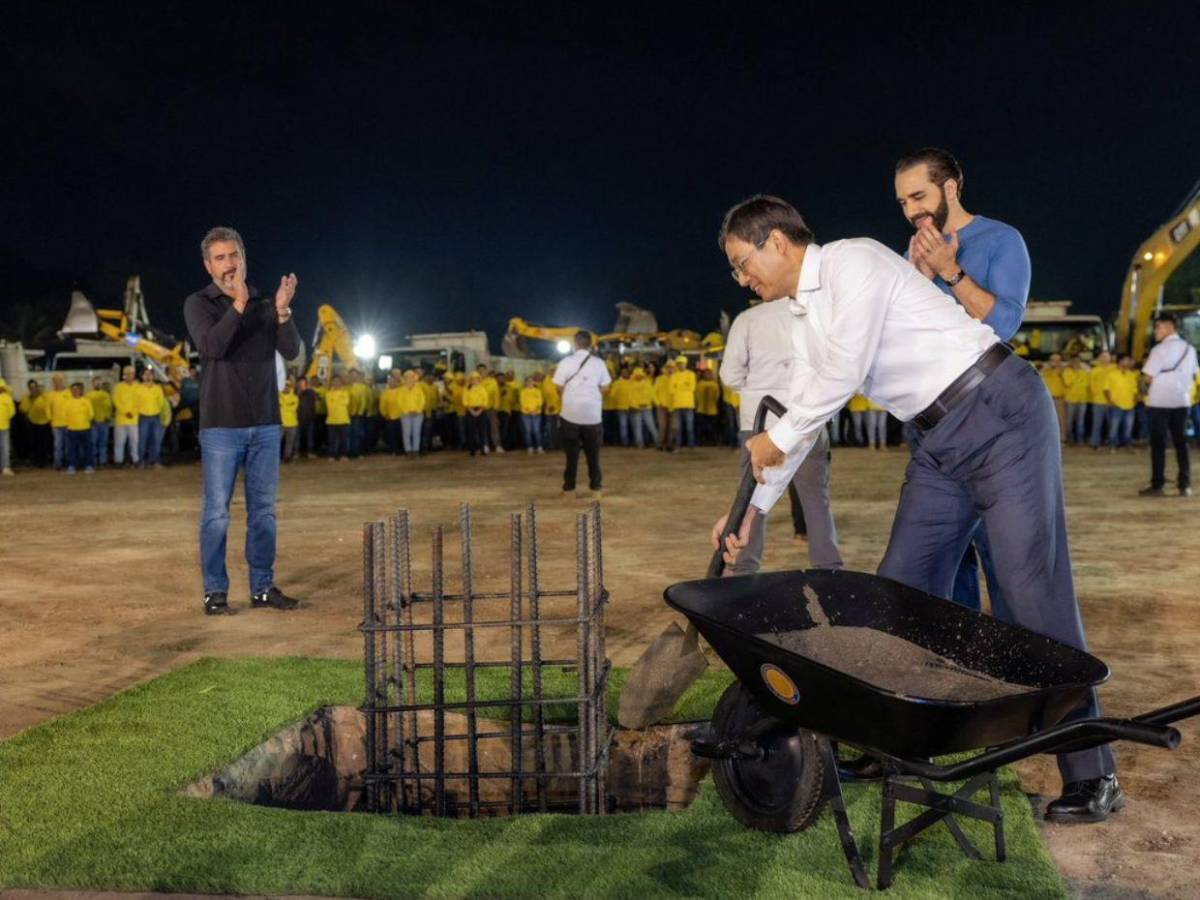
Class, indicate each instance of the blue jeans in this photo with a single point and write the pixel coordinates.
(684, 420)
(150, 431)
(1120, 426)
(1099, 417)
(100, 442)
(79, 449)
(1077, 422)
(60, 447)
(623, 426)
(410, 426)
(337, 442)
(643, 422)
(531, 429)
(222, 452)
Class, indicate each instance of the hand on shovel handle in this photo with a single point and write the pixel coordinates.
(733, 543)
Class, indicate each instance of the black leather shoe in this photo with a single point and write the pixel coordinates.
(1087, 801)
(1152, 492)
(217, 604)
(274, 598)
(865, 768)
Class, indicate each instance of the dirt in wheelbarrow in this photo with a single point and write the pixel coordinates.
(887, 661)
(892, 663)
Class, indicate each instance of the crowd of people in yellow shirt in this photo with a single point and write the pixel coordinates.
(1101, 403)
(71, 428)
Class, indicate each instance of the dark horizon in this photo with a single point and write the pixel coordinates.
(438, 171)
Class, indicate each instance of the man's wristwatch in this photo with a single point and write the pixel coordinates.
(957, 278)
(287, 314)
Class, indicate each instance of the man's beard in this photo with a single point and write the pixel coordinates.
(939, 215)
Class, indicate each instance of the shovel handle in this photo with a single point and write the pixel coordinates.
(741, 500)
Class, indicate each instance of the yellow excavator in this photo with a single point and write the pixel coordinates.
(1164, 275)
(649, 343)
(130, 326)
(334, 339)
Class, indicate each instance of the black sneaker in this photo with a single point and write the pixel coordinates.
(274, 598)
(217, 604)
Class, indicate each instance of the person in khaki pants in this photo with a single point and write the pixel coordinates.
(1052, 374)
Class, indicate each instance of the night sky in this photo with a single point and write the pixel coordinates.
(448, 169)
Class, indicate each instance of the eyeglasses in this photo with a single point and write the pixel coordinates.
(738, 270)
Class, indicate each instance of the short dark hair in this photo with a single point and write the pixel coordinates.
(1169, 317)
(583, 340)
(942, 165)
(756, 217)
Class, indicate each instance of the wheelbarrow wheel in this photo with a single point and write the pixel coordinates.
(784, 790)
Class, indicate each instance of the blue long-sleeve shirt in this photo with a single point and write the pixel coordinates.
(995, 257)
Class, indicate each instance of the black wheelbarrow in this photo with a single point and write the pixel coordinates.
(825, 657)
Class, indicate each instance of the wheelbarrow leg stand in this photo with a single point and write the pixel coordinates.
(940, 807)
(837, 803)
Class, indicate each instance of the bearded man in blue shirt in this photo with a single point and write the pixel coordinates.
(984, 266)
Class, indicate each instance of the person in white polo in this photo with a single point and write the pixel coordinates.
(1171, 369)
(582, 377)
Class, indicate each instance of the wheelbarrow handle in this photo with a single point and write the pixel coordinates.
(741, 500)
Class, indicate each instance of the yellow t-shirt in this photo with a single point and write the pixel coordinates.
(35, 409)
(1097, 379)
(289, 409)
(707, 395)
(360, 399)
(1075, 384)
(320, 408)
(8, 409)
(476, 396)
(432, 398)
(493, 393)
(641, 393)
(731, 397)
(77, 413)
(55, 401)
(457, 390)
(662, 390)
(150, 399)
(389, 403)
(532, 401)
(102, 405)
(858, 403)
(337, 405)
(619, 392)
(1196, 391)
(1054, 381)
(683, 390)
(553, 397)
(1123, 386)
(410, 400)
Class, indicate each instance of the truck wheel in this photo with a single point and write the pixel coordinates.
(784, 791)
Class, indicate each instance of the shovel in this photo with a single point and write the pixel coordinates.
(669, 666)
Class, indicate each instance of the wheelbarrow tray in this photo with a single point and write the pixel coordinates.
(731, 613)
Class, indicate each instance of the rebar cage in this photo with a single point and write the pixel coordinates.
(418, 703)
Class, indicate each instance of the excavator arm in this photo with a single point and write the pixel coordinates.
(516, 339)
(1156, 260)
(334, 339)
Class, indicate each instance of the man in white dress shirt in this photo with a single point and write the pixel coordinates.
(985, 442)
(582, 377)
(1171, 370)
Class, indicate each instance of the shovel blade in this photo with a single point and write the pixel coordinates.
(660, 677)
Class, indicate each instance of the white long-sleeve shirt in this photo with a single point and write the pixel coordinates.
(763, 332)
(1172, 366)
(863, 317)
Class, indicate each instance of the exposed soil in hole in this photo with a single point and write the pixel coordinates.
(318, 764)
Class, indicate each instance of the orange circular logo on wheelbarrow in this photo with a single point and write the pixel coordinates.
(780, 683)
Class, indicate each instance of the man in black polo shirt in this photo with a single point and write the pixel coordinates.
(237, 332)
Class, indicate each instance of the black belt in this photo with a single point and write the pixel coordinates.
(962, 386)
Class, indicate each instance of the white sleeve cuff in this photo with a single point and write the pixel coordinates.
(784, 436)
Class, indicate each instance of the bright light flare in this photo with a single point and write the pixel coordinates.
(385, 362)
(364, 347)
(563, 347)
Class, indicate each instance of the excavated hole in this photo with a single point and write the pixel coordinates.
(318, 764)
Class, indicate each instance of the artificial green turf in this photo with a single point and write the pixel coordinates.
(91, 801)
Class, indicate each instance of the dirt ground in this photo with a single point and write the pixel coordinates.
(100, 589)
